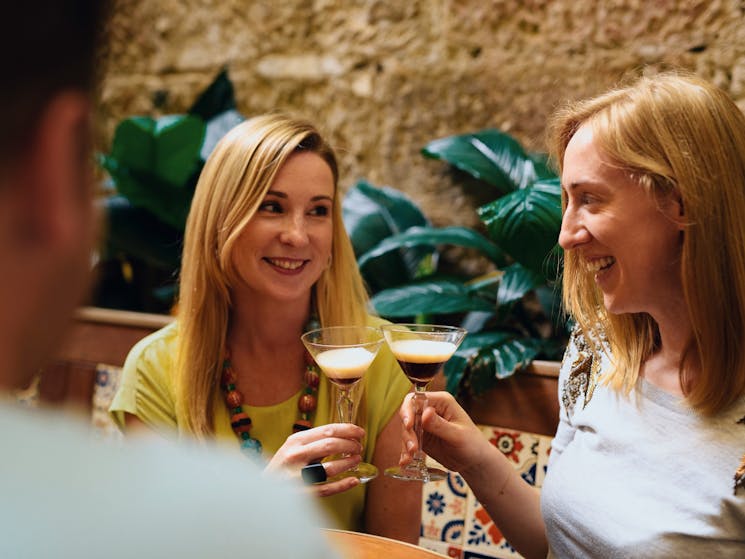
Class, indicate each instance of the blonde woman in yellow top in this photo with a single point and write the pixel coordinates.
(265, 258)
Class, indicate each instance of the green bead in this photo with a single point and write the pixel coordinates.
(251, 446)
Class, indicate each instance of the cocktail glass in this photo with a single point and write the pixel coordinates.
(421, 349)
(344, 353)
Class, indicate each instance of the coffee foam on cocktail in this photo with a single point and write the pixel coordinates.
(345, 362)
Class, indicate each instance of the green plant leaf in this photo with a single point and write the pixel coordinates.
(429, 237)
(178, 143)
(428, 297)
(372, 214)
(458, 365)
(486, 358)
(216, 99)
(133, 144)
(168, 148)
(138, 232)
(499, 360)
(526, 222)
(490, 155)
(516, 282)
(170, 205)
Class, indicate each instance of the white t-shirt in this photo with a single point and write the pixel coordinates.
(642, 475)
(64, 494)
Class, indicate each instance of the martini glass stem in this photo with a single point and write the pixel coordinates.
(345, 406)
(419, 459)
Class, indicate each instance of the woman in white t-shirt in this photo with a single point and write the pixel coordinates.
(648, 457)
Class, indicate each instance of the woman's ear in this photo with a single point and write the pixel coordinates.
(675, 210)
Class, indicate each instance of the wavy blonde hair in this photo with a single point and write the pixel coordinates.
(674, 133)
(233, 183)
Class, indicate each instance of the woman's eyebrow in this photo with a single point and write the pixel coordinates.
(280, 194)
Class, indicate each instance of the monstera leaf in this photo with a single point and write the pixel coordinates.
(154, 162)
(526, 222)
(431, 236)
(372, 214)
(491, 156)
(435, 296)
(486, 356)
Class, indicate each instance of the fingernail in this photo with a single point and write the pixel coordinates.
(410, 445)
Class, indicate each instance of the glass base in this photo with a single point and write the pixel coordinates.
(363, 472)
(416, 474)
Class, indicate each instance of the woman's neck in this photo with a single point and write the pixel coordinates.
(662, 367)
(266, 350)
(266, 326)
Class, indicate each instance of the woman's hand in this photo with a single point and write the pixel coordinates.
(450, 436)
(312, 445)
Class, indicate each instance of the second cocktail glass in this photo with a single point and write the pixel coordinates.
(344, 353)
(420, 349)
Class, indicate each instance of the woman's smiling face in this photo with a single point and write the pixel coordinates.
(286, 245)
(629, 240)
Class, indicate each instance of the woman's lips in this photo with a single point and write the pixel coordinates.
(599, 264)
(286, 264)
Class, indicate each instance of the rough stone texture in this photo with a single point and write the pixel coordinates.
(383, 78)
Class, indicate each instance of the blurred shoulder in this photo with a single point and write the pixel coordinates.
(160, 342)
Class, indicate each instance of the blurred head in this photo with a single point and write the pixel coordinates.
(680, 139)
(46, 225)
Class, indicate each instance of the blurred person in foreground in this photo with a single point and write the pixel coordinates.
(62, 493)
(648, 457)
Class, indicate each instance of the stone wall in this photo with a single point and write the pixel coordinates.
(384, 77)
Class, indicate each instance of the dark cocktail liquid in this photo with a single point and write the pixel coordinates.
(344, 381)
(420, 373)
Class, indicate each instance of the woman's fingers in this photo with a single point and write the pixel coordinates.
(317, 450)
(334, 487)
(341, 464)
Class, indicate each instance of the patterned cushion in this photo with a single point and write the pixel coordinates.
(107, 382)
(453, 521)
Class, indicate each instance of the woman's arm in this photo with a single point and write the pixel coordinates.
(135, 426)
(452, 439)
(393, 508)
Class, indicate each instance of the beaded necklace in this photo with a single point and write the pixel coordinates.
(239, 419)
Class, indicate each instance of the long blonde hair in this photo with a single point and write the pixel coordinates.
(674, 133)
(233, 183)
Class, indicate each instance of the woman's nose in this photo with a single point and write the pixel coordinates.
(295, 232)
(573, 233)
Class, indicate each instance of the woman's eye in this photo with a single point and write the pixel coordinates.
(320, 211)
(272, 207)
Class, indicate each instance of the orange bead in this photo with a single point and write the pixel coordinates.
(312, 378)
(307, 403)
(234, 398)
